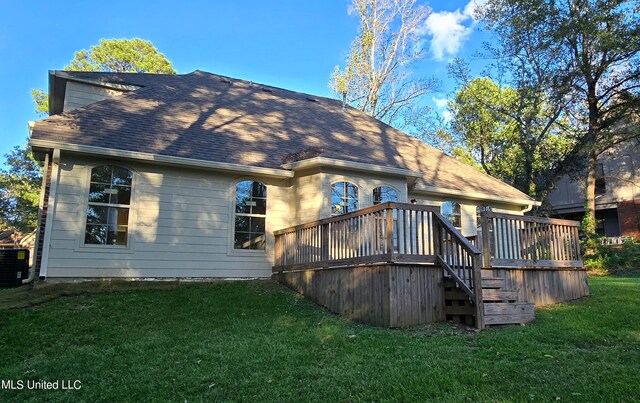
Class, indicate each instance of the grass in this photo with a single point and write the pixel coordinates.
(256, 341)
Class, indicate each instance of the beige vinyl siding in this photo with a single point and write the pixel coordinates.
(181, 225)
(78, 95)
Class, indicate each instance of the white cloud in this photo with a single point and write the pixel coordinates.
(450, 29)
(443, 108)
(440, 102)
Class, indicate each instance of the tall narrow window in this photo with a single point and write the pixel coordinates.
(344, 198)
(451, 211)
(251, 216)
(601, 187)
(383, 194)
(108, 207)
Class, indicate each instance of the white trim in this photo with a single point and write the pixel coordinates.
(473, 195)
(51, 211)
(231, 245)
(97, 83)
(80, 244)
(355, 166)
(162, 159)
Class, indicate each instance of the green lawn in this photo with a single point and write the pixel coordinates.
(256, 341)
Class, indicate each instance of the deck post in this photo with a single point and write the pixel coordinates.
(324, 242)
(477, 291)
(486, 240)
(278, 251)
(389, 234)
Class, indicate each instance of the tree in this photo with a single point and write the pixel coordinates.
(20, 190)
(112, 55)
(122, 56)
(377, 78)
(510, 137)
(598, 55)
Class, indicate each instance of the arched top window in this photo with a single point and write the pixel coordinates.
(383, 194)
(250, 215)
(451, 211)
(108, 206)
(344, 198)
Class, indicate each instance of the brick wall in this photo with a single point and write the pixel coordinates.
(629, 218)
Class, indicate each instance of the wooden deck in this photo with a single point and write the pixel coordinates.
(397, 264)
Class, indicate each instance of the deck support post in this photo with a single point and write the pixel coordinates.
(477, 290)
(324, 249)
(389, 234)
(486, 240)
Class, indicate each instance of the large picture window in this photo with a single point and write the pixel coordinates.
(344, 198)
(251, 216)
(383, 194)
(108, 206)
(451, 211)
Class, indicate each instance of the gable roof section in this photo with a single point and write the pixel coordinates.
(206, 117)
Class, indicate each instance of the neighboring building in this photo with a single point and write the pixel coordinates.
(617, 193)
(189, 175)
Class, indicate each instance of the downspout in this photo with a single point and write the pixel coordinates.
(527, 209)
(51, 210)
(43, 190)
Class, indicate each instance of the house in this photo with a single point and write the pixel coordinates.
(617, 193)
(193, 175)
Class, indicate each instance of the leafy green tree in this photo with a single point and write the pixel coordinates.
(112, 55)
(377, 77)
(20, 185)
(122, 56)
(508, 135)
(595, 48)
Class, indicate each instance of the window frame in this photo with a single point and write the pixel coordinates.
(82, 244)
(600, 179)
(373, 195)
(453, 213)
(232, 223)
(345, 190)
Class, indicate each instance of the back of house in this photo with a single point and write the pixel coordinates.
(188, 176)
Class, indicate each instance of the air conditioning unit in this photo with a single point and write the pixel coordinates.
(14, 267)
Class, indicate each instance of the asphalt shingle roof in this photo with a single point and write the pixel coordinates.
(208, 117)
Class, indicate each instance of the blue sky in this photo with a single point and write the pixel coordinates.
(292, 44)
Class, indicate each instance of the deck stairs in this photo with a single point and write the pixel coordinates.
(501, 305)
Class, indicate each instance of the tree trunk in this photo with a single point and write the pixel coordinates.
(589, 222)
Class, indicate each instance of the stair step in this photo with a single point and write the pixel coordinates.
(508, 319)
(456, 295)
(460, 310)
(509, 308)
(492, 282)
(493, 294)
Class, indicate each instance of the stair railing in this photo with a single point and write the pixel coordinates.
(461, 260)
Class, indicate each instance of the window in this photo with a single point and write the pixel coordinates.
(344, 198)
(601, 187)
(251, 216)
(451, 211)
(108, 207)
(383, 194)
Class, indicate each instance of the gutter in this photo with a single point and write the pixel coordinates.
(162, 159)
(528, 203)
(354, 166)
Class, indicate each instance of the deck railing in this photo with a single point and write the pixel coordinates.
(523, 241)
(386, 232)
(461, 259)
